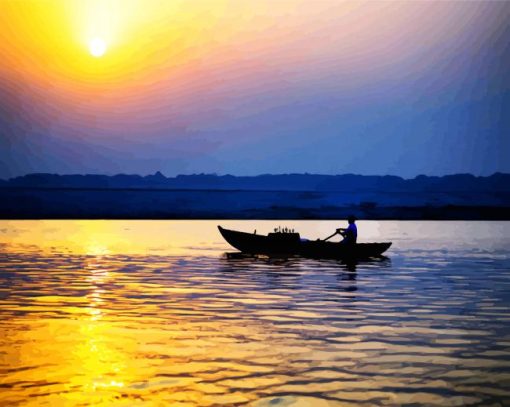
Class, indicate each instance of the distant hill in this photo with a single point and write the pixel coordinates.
(497, 182)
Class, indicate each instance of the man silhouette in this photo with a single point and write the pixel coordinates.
(350, 234)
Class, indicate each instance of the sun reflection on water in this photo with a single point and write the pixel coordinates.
(85, 322)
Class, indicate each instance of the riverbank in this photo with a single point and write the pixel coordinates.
(72, 203)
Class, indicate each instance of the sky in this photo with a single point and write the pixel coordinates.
(254, 87)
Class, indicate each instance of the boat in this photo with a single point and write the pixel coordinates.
(290, 244)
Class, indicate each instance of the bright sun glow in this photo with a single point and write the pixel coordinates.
(97, 47)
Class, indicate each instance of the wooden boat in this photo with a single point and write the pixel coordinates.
(291, 244)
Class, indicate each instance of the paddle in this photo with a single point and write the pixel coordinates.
(337, 232)
(334, 234)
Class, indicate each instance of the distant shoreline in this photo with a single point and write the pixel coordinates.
(207, 204)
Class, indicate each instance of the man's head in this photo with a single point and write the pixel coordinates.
(351, 219)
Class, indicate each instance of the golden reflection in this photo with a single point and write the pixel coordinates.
(84, 322)
(102, 363)
(99, 237)
(97, 250)
(102, 351)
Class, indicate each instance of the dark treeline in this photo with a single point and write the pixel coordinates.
(286, 182)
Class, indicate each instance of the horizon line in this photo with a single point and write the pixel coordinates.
(214, 174)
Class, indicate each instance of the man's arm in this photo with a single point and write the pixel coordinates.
(341, 231)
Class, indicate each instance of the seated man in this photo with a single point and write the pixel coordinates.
(350, 234)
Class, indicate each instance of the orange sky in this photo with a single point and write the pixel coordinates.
(180, 46)
(216, 69)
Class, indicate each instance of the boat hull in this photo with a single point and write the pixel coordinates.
(265, 245)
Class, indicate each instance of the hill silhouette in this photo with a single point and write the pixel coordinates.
(267, 182)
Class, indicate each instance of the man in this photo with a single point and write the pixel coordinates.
(350, 234)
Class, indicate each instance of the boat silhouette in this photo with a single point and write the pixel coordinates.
(285, 243)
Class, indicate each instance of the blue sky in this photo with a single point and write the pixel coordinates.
(401, 88)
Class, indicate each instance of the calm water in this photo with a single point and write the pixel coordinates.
(152, 313)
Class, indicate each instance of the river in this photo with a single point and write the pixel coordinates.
(153, 313)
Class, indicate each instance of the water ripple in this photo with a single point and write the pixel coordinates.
(424, 326)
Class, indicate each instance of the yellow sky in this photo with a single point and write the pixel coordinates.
(51, 38)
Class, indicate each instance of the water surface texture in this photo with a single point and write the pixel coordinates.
(153, 313)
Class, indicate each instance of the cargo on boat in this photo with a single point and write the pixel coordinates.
(285, 243)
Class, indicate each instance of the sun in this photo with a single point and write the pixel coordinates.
(97, 47)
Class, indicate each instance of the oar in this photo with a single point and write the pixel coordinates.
(329, 237)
